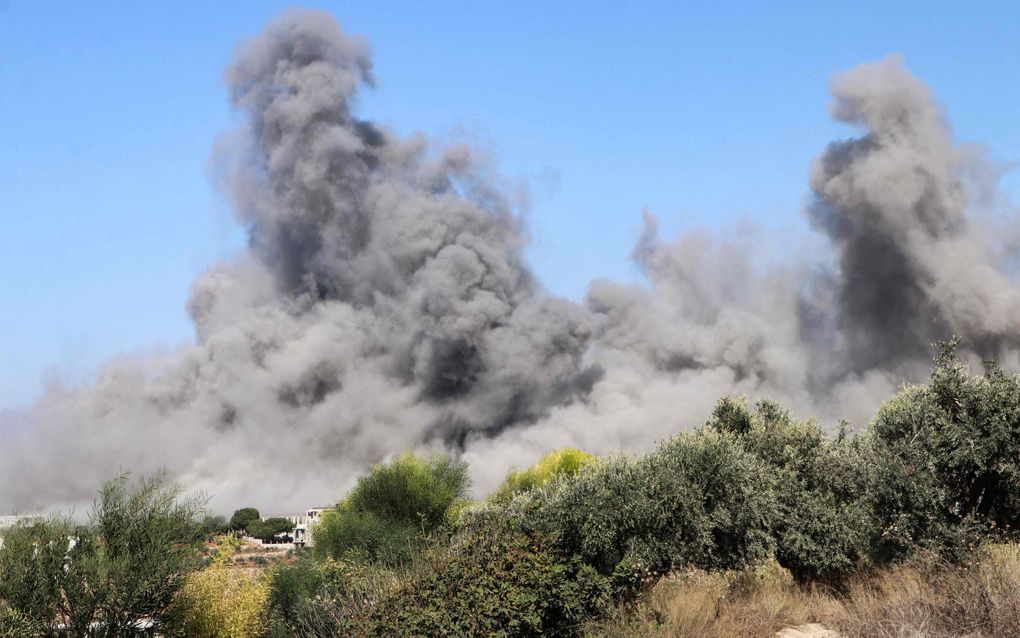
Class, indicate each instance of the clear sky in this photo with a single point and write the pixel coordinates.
(704, 112)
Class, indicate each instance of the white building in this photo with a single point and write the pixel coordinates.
(303, 525)
(10, 520)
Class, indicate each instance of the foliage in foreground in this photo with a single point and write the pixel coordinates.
(574, 545)
(301, 588)
(822, 526)
(127, 564)
(221, 602)
(499, 582)
(934, 475)
(947, 460)
(937, 472)
(699, 499)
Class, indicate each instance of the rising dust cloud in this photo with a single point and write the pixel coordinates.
(384, 303)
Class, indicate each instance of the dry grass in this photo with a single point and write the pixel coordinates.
(978, 600)
(756, 602)
(924, 599)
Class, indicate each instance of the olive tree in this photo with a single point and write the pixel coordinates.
(946, 459)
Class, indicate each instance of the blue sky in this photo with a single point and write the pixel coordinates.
(704, 112)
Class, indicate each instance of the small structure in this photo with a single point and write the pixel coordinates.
(10, 520)
(303, 525)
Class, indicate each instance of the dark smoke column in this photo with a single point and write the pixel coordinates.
(343, 212)
(892, 202)
(383, 304)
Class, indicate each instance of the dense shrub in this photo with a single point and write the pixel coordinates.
(126, 565)
(823, 524)
(297, 588)
(411, 490)
(492, 582)
(698, 500)
(946, 459)
(32, 571)
(348, 534)
(391, 507)
(292, 587)
(220, 602)
(559, 463)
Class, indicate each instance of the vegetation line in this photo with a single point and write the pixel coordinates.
(754, 522)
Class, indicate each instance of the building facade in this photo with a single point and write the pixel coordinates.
(303, 524)
(10, 520)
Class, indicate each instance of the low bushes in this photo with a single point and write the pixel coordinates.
(934, 477)
(347, 533)
(383, 525)
(414, 491)
(292, 587)
(753, 482)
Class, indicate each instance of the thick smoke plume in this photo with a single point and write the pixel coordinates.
(384, 303)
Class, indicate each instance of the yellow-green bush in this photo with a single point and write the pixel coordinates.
(563, 462)
(221, 602)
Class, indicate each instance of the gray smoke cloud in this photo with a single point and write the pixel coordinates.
(912, 268)
(917, 252)
(384, 303)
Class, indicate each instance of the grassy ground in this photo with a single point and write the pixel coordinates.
(920, 599)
